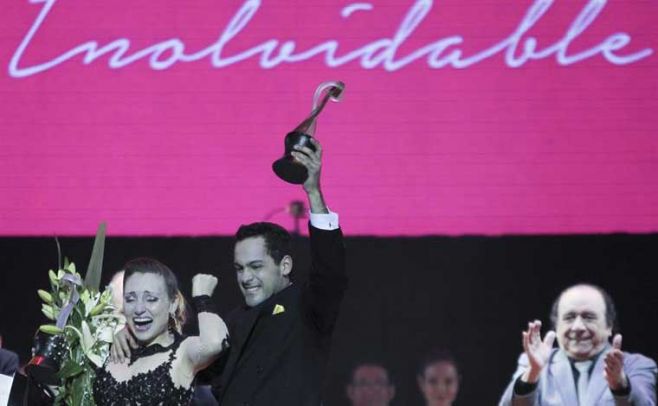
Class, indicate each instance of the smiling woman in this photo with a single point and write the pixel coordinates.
(162, 365)
(152, 302)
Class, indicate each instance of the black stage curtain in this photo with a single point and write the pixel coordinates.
(472, 295)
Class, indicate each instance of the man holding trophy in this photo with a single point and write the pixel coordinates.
(280, 339)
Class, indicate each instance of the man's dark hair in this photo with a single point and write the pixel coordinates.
(432, 357)
(277, 239)
(610, 309)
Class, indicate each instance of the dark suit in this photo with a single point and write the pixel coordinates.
(279, 349)
(8, 362)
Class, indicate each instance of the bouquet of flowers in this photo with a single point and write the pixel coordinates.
(80, 337)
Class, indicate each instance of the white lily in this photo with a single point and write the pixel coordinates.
(85, 296)
(96, 359)
(106, 334)
(88, 339)
(91, 302)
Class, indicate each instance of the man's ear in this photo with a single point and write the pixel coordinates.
(285, 266)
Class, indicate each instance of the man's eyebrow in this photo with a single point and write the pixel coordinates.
(254, 262)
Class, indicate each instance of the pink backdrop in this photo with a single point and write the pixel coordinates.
(459, 117)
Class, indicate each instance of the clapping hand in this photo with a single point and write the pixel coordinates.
(536, 350)
(614, 366)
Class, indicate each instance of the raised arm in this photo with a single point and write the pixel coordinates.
(522, 391)
(327, 280)
(203, 349)
(632, 378)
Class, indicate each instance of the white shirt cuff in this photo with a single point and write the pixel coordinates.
(324, 221)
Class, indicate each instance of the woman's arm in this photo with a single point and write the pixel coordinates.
(203, 349)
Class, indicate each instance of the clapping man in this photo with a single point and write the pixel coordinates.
(586, 369)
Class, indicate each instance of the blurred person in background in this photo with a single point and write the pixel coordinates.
(438, 378)
(8, 361)
(370, 385)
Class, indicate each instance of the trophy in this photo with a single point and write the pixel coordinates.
(49, 352)
(287, 167)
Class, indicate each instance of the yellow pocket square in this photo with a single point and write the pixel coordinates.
(278, 309)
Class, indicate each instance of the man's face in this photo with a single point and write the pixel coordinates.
(370, 387)
(582, 330)
(439, 383)
(259, 277)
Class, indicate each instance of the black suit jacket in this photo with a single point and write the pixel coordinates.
(279, 359)
(8, 362)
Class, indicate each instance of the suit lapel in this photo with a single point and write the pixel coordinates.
(563, 375)
(597, 383)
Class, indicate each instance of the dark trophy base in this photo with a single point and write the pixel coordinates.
(45, 364)
(287, 168)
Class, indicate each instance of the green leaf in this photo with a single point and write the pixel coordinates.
(45, 296)
(77, 390)
(106, 296)
(53, 277)
(98, 309)
(77, 315)
(95, 268)
(77, 332)
(88, 399)
(48, 311)
(50, 329)
(69, 370)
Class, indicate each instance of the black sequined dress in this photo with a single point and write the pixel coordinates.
(151, 388)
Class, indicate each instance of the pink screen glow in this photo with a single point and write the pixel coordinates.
(459, 117)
